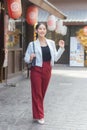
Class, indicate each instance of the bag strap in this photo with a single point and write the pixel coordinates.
(33, 47)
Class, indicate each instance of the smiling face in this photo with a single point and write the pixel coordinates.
(41, 30)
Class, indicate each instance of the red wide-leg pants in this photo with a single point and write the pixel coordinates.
(40, 77)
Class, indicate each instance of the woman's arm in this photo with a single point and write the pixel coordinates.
(57, 54)
(29, 54)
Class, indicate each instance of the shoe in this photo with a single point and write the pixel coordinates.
(41, 121)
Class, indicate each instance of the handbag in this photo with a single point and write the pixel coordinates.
(33, 62)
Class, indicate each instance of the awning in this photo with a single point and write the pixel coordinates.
(76, 17)
(44, 4)
(43, 15)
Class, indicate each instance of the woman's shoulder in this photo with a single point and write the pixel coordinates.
(50, 41)
(30, 43)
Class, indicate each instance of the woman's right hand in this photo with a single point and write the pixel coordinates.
(61, 43)
(32, 56)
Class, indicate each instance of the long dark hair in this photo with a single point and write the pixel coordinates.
(37, 26)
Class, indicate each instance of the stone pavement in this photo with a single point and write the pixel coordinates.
(65, 102)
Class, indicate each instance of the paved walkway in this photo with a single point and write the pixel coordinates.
(65, 102)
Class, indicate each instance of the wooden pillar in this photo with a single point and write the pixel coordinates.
(1, 39)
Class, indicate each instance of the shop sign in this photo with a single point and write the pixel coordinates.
(76, 52)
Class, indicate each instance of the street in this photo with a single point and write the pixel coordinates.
(65, 102)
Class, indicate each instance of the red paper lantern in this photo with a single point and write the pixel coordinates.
(59, 25)
(85, 30)
(51, 23)
(32, 15)
(14, 8)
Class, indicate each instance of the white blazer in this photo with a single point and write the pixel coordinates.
(55, 55)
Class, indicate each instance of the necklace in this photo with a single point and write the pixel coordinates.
(43, 43)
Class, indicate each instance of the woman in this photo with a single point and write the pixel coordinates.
(45, 54)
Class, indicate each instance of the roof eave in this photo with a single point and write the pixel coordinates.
(75, 22)
(48, 7)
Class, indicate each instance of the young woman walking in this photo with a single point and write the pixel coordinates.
(45, 54)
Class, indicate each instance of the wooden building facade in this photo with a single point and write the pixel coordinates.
(15, 36)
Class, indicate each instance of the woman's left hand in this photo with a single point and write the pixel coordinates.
(61, 43)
